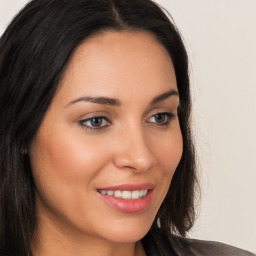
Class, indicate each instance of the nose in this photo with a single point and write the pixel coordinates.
(133, 151)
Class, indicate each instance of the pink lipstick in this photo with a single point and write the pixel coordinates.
(128, 197)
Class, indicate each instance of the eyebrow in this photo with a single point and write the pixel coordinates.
(98, 100)
(116, 103)
(164, 96)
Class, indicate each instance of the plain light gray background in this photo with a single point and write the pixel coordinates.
(220, 36)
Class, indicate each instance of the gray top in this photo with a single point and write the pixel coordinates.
(178, 246)
(209, 248)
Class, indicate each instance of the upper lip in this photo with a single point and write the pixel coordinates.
(129, 187)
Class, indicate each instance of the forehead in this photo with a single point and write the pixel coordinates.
(117, 63)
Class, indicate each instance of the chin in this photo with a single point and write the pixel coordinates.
(128, 231)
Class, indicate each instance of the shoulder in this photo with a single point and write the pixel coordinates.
(157, 243)
(209, 248)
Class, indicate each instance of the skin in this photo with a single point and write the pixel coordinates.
(69, 161)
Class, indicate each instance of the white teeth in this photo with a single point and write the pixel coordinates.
(104, 192)
(126, 194)
(110, 192)
(136, 194)
(118, 193)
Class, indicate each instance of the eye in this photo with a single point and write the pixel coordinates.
(95, 123)
(161, 118)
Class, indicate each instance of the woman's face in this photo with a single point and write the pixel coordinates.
(105, 153)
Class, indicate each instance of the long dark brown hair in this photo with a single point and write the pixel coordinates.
(34, 51)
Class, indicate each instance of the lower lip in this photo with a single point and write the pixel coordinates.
(128, 205)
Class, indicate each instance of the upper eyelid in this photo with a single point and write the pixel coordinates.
(169, 114)
(92, 115)
(163, 112)
(99, 116)
(161, 109)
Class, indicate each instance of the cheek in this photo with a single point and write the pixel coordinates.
(169, 152)
(66, 157)
(64, 167)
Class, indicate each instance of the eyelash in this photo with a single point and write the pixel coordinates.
(103, 118)
(167, 119)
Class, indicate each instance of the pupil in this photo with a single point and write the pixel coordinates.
(96, 122)
(160, 118)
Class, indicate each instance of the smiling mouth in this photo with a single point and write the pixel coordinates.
(130, 198)
(126, 195)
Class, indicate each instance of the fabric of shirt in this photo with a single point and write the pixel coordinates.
(178, 246)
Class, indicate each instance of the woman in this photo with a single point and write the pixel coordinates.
(96, 151)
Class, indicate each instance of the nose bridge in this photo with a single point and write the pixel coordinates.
(134, 150)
